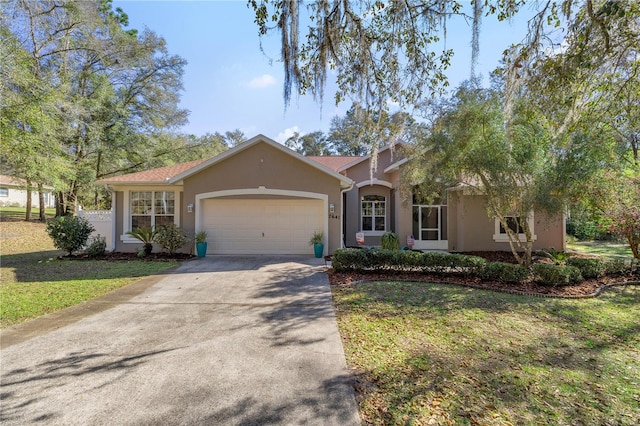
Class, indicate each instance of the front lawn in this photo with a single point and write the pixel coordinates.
(606, 249)
(438, 354)
(34, 282)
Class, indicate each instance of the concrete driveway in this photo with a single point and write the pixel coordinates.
(221, 340)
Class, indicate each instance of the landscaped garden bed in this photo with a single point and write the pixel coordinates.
(470, 269)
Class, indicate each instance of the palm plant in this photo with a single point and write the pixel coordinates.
(146, 235)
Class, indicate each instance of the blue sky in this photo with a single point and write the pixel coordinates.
(230, 84)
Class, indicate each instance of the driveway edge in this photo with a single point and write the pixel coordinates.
(19, 333)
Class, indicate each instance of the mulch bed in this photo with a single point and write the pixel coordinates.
(587, 288)
(160, 256)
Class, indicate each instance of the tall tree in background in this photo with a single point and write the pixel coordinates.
(234, 137)
(314, 143)
(31, 123)
(106, 92)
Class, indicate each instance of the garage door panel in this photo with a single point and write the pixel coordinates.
(261, 226)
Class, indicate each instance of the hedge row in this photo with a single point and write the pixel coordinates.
(381, 260)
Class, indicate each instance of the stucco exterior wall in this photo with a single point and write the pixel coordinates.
(265, 166)
(361, 173)
(471, 229)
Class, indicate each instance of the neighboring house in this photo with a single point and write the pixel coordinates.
(13, 192)
(263, 198)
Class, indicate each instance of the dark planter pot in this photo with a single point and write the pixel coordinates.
(201, 249)
(318, 249)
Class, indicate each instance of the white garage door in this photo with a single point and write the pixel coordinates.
(261, 226)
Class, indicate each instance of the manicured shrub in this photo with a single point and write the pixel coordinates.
(390, 241)
(556, 275)
(410, 261)
(589, 267)
(69, 233)
(170, 237)
(383, 260)
(504, 272)
(468, 265)
(97, 247)
(349, 259)
(617, 267)
(437, 263)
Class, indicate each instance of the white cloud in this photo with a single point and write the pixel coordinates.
(263, 81)
(286, 134)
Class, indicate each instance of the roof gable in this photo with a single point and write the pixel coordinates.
(334, 162)
(177, 172)
(250, 143)
(358, 160)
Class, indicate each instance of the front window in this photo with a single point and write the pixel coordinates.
(152, 208)
(373, 213)
(4, 192)
(514, 223)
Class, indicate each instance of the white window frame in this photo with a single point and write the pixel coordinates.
(373, 216)
(504, 238)
(420, 228)
(126, 210)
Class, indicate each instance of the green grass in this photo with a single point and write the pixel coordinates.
(608, 249)
(34, 282)
(449, 355)
(57, 284)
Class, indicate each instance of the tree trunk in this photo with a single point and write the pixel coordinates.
(41, 200)
(27, 216)
(60, 204)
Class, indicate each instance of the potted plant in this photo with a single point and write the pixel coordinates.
(317, 241)
(201, 243)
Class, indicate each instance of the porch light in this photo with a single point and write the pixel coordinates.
(190, 208)
(332, 208)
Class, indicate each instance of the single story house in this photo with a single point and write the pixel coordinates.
(260, 197)
(13, 193)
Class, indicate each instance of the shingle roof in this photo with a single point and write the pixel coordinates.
(159, 175)
(334, 162)
(10, 180)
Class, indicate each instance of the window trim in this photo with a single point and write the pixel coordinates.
(439, 229)
(126, 210)
(373, 232)
(499, 237)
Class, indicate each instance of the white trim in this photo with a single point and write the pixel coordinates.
(261, 190)
(368, 156)
(504, 238)
(114, 218)
(373, 233)
(375, 181)
(396, 166)
(126, 211)
(438, 244)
